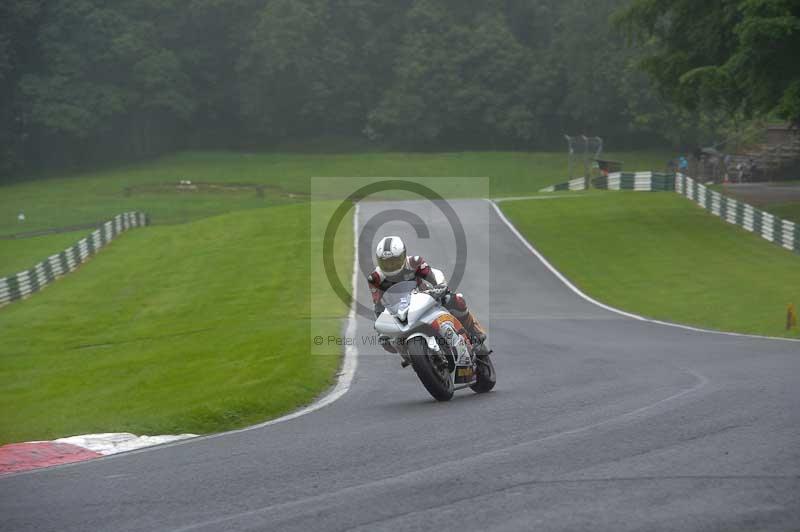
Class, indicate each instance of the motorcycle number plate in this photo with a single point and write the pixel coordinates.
(464, 375)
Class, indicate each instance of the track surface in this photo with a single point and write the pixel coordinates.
(598, 422)
(764, 193)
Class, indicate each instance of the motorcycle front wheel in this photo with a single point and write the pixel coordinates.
(434, 374)
(487, 378)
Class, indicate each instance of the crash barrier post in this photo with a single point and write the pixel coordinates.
(25, 283)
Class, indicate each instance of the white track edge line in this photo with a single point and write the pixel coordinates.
(343, 383)
(588, 298)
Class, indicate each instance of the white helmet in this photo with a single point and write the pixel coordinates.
(391, 255)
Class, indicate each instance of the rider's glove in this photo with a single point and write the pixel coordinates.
(439, 291)
(446, 297)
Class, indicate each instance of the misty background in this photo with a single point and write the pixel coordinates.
(86, 82)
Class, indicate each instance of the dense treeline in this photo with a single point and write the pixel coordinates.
(738, 57)
(87, 81)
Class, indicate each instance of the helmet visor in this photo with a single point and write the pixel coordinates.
(392, 264)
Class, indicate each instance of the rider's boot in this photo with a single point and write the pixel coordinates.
(476, 333)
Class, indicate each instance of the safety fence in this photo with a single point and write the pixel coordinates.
(781, 232)
(572, 184)
(24, 283)
(642, 181)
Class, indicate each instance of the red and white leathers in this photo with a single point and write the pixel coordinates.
(417, 269)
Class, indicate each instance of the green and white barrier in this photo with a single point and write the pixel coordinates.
(25, 283)
(640, 181)
(573, 184)
(782, 232)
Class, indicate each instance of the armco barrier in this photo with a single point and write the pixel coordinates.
(642, 181)
(573, 184)
(24, 283)
(781, 232)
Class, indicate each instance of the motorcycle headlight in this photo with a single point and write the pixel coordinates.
(402, 313)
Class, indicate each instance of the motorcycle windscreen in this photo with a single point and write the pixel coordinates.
(398, 297)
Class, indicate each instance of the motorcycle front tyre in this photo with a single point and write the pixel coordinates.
(438, 383)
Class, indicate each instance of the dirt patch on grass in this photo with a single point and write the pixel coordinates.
(51, 231)
(188, 186)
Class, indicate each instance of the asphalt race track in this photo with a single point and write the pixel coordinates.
(598, 422)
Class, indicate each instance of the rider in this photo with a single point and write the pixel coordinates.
(395, 266)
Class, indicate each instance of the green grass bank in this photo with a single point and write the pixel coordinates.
(197, 328)
(97, 196)
(661, 256)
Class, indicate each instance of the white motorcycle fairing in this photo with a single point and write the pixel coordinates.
(411, 313)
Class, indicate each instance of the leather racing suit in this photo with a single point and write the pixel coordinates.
(417, 269)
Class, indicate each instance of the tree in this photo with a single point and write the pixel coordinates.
(19, 21)
(458, 76)
(279, 68)
(85, 81)
(737, 56)
(107, 84)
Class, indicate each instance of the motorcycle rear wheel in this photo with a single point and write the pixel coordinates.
(436, 381)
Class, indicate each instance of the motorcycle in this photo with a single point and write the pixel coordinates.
(431, 340)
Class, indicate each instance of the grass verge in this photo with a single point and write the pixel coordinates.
(661, 256)
(97, 196)
(197, 328)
